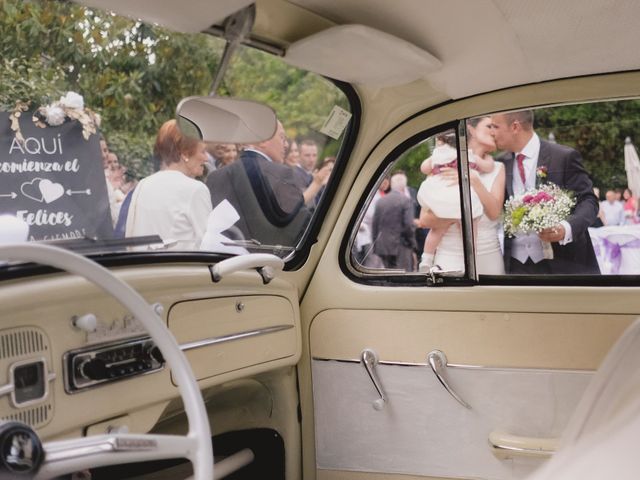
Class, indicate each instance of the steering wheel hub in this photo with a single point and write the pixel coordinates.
(21, 452)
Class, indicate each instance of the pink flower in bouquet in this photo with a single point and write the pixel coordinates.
(537, 209)
(539, 197)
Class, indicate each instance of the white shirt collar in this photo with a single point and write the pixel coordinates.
(249, 149)
(532, 148)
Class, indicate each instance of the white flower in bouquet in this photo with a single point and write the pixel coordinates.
(54, 115)
(537, 209)
(72, 100)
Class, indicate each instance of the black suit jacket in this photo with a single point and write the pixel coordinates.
(392, 228)
(265, 195)
(565, 169)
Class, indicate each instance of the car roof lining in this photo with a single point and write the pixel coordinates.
(495, 43)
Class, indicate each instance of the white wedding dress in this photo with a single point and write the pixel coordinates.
(489, 261)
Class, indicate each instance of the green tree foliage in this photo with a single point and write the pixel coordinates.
(301, 99)
(134, 74)
(597, 131)
(410, 162)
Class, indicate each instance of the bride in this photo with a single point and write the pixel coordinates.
(489, 187)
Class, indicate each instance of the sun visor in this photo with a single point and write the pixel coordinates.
(362, 55)
(188, 17)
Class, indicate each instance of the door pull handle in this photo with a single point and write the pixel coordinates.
(438, 362)
(369, 359)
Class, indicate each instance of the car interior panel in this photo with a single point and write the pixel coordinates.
(319, 240)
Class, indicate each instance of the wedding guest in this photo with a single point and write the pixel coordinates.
(262, 189)
(308, 154)
(310, 184)
(612, 209)
(392, 227)
(220, 155)
(630, 207)
(114, 175)
(171, 203)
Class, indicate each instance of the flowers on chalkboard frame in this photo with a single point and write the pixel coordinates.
(69, 107)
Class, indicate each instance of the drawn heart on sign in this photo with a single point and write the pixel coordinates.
(50, 191)
(32, 190)
(42, 190)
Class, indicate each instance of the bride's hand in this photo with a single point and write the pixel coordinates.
(450, 175)
(474, 177)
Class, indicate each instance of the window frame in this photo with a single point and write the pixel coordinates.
(389, 277)
(381, 278)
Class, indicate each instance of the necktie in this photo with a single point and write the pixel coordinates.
(520, 159)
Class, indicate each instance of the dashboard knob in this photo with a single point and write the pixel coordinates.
(155, 354)
(117, 429)
(87, 322)
(94, 369)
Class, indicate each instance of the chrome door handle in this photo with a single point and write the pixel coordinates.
(438, 363)
(369, 359)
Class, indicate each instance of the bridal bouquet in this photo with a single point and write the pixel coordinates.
(537, 209)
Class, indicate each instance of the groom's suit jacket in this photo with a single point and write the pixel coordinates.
(564, 168)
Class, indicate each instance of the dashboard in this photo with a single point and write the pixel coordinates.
(74, 362)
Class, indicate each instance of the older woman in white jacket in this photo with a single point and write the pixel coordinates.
(171, 203)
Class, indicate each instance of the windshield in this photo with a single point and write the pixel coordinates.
(92, 159)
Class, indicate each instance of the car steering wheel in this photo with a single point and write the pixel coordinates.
(67, 456)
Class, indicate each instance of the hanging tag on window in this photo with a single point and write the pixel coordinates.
(336, 122)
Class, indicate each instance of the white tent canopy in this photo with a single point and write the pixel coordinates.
(632, 166)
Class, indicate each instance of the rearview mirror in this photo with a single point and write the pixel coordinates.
(227, 120)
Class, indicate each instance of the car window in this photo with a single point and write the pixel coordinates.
(91, 156)
(399, 230)
(553, 191)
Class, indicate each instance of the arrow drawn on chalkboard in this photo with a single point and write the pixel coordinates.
(12, 195)
(79, 192)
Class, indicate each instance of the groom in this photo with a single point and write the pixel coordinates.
(528, 159)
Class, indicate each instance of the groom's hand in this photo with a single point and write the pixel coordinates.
(553, 234)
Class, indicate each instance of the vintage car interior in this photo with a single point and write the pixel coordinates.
(276, 348)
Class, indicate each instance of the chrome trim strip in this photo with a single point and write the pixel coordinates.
(88, 446)
(525, 451)
(465, 185)
(6, 389)
(185, 347)
(459, 366)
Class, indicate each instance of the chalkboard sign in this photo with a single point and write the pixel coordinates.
(54, 180)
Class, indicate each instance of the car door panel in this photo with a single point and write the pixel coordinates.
(423, 430)
(521, 365)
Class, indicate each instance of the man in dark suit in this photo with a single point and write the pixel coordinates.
(528, 161)
(264, 193)
(392, 227)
